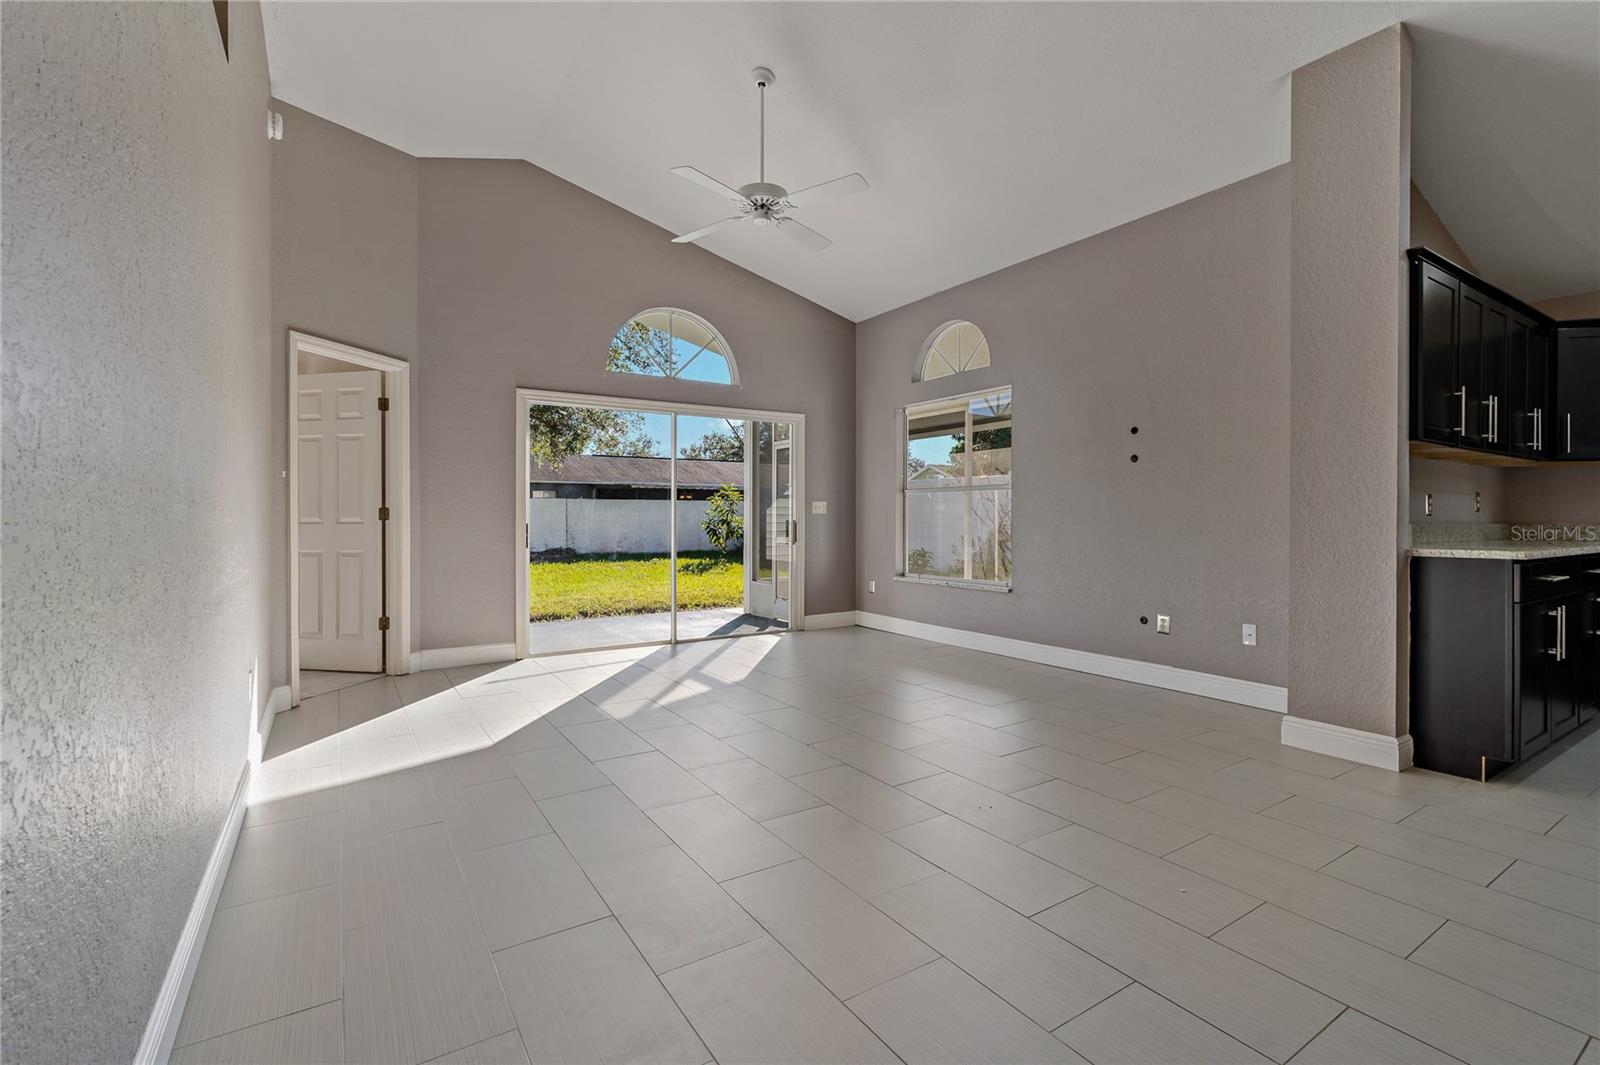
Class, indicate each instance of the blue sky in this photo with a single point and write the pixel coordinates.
(690, 429)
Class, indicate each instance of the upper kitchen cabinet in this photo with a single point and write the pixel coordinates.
(1483, 370)
(1576, 432)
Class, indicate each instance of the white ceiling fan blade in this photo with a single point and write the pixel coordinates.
(703, 230)
(804, 234)
(706, 181)
(828, 190)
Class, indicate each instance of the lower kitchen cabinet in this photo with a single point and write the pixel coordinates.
(1505, 658)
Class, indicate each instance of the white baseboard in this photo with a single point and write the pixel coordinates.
(277, 703)
(1172, 678)
(842, 619)
(1352, 744)
(445, 657)
(162, 1030)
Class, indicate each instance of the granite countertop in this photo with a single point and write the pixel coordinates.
(1484, 540)
(1516, 550)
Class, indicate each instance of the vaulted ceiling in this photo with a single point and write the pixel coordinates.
(990, 133)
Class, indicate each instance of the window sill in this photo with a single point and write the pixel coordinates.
(955, 582)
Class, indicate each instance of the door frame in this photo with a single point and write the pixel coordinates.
(397, 475)
(527, 397)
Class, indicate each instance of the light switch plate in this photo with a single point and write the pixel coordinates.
(1249, 635)
(872, 586)
(1163, 625)
(819, 506)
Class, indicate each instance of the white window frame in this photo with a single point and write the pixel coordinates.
(677, 375)
(906, 413)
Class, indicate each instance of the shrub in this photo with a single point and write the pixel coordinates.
(724, 520)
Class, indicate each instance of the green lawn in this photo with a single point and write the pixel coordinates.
(594, 586)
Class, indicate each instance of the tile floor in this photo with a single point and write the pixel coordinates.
(850, 846)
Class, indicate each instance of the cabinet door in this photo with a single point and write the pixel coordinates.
(1577, 428)
(1519, 404)
(1493, 402)
(1435, 400)
(1566, 675)
(1587, 641)
(1541, 419)
(1536, 648)
(1472, 369)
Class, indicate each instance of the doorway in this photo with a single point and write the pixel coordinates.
(348, 500)
(643, 523)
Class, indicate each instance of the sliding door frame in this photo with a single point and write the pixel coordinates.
(528, 397)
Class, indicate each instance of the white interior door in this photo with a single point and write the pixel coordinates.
(339, 466)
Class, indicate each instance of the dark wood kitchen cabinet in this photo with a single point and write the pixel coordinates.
(1483, 369)
(1505, 658)
(1529, 410)
(1577, 369)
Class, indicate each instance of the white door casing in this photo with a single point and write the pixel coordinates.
(339, 467)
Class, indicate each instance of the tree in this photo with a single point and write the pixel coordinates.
(718, 445)
(639, 349)
(556, 432)
(724, 520)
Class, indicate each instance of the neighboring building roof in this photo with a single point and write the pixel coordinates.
(638, 472)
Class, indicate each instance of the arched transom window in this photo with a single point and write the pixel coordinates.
(953, 348)
(667, 342)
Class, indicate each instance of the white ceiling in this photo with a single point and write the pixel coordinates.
(990, 132)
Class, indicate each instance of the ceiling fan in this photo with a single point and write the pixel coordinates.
(764, 203)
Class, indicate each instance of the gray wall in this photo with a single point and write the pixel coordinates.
(135, 454)
(1350, 146)
(524, 280)
(1177, 323)
(344, 267)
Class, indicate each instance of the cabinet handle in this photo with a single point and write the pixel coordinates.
(1538, 429)
(1561, 633)
(1553, 577)
(1463, 426)
(1556, 650)
(1569, 432)
(1494, 419)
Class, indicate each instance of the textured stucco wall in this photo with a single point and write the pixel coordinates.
(135, 293)
(344, 267)
(1348, 467)
(1177, 323)
(524, 279)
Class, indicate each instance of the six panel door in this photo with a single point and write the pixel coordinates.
(339, 466)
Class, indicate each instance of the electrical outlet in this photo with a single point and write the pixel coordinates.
(1249, 635)
(1427, 504)
(1163, 625)
(872, 586)
(819, 506)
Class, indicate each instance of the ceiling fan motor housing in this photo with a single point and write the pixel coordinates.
(764, 193)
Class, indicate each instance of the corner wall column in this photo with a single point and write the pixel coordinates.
(1348, 470)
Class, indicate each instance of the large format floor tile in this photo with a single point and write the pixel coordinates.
(755, 1003)
(418, 985)
(263, 960)
(843, 940)
(1136, 1026)
(849, 851)
(719, 836)
(1460, 1020)
(939, 1014)
(1243, 998)
(585, 995)
(1048, 979)
(527, 889)
(1001, 870)
(309, 1037)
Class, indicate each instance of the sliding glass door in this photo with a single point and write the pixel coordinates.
(648, 525)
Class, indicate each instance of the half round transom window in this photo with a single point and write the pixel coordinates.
(953, 348)
(667, 342)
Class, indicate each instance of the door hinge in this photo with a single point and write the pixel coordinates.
(383, 402)
(383, 624)
(383, 513)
